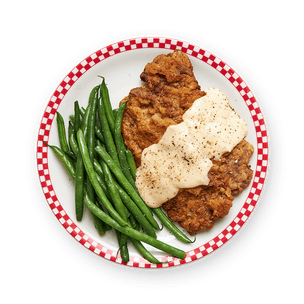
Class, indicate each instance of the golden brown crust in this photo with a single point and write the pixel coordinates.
(170, 90)
(197, 209)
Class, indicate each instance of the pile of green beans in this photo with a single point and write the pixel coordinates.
(104, 172)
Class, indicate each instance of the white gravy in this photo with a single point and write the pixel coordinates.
(182, 158)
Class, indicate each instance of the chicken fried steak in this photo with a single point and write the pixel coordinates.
(197, 209)
(169, 91)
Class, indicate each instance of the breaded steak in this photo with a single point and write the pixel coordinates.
(170, 89)
(197, 209)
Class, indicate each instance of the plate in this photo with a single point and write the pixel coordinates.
(121, 64)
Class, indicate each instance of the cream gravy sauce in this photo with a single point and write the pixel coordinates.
(182, 158)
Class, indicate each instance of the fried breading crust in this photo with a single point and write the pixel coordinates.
(170, 90)
(197, 209)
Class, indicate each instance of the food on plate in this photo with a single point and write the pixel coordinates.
(91, 153)
(197, 209)
(170, 91)
(186, 144)
(182, 157)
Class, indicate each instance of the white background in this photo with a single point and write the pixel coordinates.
(38, 37)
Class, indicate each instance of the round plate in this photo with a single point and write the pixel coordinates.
(121, 63)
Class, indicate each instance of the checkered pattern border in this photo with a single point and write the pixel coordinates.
(191, 50)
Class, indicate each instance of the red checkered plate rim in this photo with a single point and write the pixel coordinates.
(201, 57)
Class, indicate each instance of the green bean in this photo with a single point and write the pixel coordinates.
(120, 145)
(72, 118)
(107, 104)
(144, 252)
(127, 201)
(131, 162)
(99, 134)
(99, 225)
(92, 176)
(79, 187)
(108, 137)
(64, 159)
(115, 113)
(132, 232)
(101, 178)
(77, 120)
(103, 186)
(98, 169)
(91, 134)
(94, 93)
(72, 139)
(135, 211)
(85, 120)
(98, 131)
(170, 226)
(133, 222)
(139, 246)
(126, 185)
(70, 154)
(91, 144)
(61, 133)
(70, 132)
(115, 197)
(123, 246)
(99, 205)
(109, 181)
(82, 111)
(80, 172)
(91, 125)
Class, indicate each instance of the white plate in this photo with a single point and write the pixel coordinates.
(121, 64)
